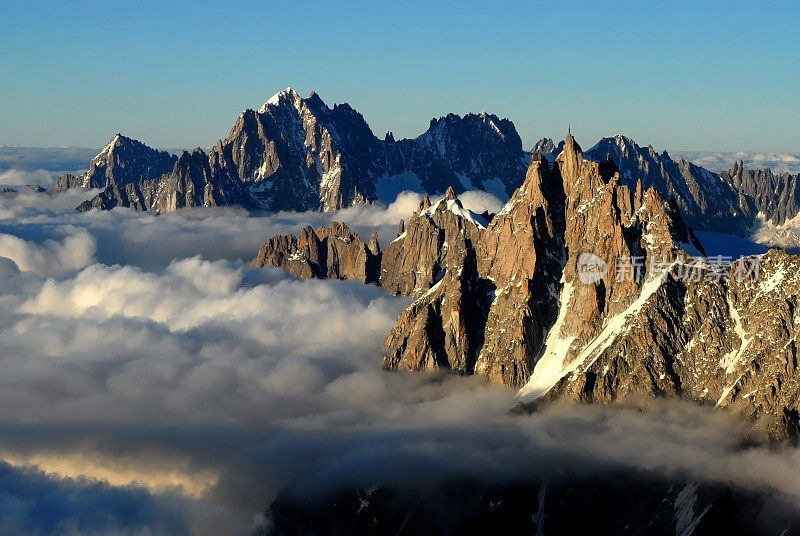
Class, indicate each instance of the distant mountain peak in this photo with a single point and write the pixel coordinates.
(108, 149)
(544, 146)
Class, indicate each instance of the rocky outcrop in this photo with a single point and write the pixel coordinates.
(683, 326)
(335, 252)
(414, 261)
(730, 202)
(608, 226)
(522, 254)
(299, 154)
(730, 342)
(435, 260)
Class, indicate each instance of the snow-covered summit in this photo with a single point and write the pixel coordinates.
(108, 148)
(287, 94)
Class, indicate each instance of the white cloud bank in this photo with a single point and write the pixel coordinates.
(720, 161)
(146, 365)
(51, 257)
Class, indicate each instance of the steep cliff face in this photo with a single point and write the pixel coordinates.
(435, 260)
(620, 233)
(682, 326)
(419, 256)
(521, 253)
(299, 154)
(730, 342)
(335, 252)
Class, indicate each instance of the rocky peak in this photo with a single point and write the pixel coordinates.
(608, 222)
(486, 311)
(120, 162)
(327, 252)
(545, 146)
(415, 260)
(374, 245)
(106, 153)
(704, 201)
(522, 248)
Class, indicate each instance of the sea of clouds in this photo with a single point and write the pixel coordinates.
(153, 383)
(56, 159)
(721, 161)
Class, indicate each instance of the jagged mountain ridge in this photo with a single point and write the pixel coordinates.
(299, 154)
(511, 301)
(729, 202)
(705, 201)
(530, 246)
(776, 197)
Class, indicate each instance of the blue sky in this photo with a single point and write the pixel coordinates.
(704, 76)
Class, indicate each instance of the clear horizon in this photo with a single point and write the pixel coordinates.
(709, 77)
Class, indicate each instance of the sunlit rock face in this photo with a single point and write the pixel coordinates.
(525, 304)
(335, 252)
(508, 297)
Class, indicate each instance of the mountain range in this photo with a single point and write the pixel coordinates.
(590, 285)
(580, 288)
(297, 153)
(503, 295)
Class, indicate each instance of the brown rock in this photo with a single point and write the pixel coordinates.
(335, 252)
